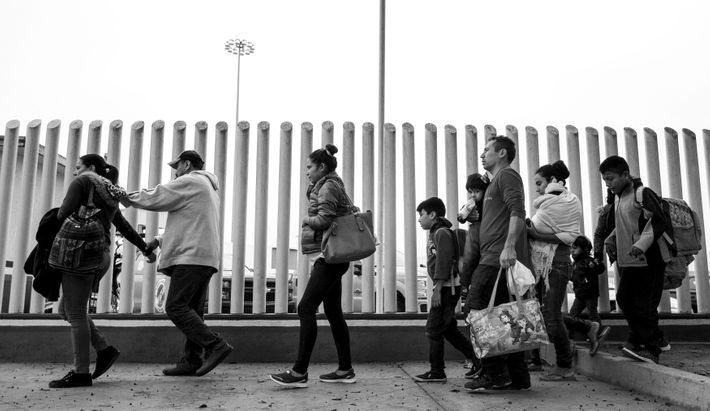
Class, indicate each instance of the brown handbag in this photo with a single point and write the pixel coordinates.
(349, 237)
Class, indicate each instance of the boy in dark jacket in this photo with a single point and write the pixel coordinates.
(641, 255)
(442, 256)
(585, 280)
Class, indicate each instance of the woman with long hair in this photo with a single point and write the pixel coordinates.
(327, 200)
(94, 187)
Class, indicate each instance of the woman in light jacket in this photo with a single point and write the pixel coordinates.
(80, 276)
(326, 201)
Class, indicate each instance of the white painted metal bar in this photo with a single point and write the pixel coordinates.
(326, 133)
(596, 198)
(135, 167)
(409, 207)
(610, 142)
(653, 180)
(575, 166)
(103, 300)
(702, 284)
(284, 220)
(533, 161)
(675, 186)
(239, 216)
(49, 180)
(390, 219)
(304, 269)
(431, 167)
(452, 171)
(348, 176)
(201, 139)
(214, 304)
(368, 203)
(155, 172)
(7, 183)
(632, 151)
(93, 142)
(471, 150)
(22, 237)
(261, 218)
(553, 144)
(512, 133)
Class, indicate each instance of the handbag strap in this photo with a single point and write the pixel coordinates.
(351, 206)
(495, 289)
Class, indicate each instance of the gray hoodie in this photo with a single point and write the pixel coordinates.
(192, 229)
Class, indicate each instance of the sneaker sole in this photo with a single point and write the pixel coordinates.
(429, 380)
(340, 381)
(291, 384)
(635, 356)
(665, 348)
(217, 361)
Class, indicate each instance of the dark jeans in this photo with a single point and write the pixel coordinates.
(324, 286)
(576, 324)
(551, 300)
(73, 307)
(482, 281)
(588, 303)
(639, 293)
(440, 325)
(185, 307)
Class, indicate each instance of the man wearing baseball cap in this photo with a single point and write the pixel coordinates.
(189, 256)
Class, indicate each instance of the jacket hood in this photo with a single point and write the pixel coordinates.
(441, 222)
(210, 176)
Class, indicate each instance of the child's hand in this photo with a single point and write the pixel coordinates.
(635, 252)
(436, 298)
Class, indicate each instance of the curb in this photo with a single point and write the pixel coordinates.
(680, 387)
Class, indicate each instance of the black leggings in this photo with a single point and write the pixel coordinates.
(324, 286)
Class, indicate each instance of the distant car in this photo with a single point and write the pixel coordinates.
(422, 297)
(162, 282)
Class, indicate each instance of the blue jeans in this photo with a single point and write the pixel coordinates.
(440, 325)
(73, 307)
(551, 300)
(324, 286)
(185, 306)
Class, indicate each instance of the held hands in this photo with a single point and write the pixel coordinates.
(149, 251)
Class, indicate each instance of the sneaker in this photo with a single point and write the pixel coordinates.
(71, 380)
(182, 369)
(347, 378)
(287, 379)
(664, 345)
(104, 360)
(473, 373)
(534, 367)
(601, 337)
(559, 374)
(213, 357)
(640, 355)
(486, 382)
(429, 377)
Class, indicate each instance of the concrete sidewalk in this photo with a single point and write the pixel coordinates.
(247, 386)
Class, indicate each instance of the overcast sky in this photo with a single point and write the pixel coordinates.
(601, 63)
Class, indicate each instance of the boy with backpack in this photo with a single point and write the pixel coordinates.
(442, 265)
(639, 246)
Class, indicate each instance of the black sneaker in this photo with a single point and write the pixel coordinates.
(71, 380)
(486, 382)
(640, 355)
(664, 345)
(287, 379)
(104, 360)
(213, 357)
(182, 369)
(514, 387)
(473, 373)
(347, 378)
(429, 377)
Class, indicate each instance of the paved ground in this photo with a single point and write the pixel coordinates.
(246, 386)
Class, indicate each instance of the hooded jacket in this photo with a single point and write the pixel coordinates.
(191, 234)
(326, 200)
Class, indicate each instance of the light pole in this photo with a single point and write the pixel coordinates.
(240, 48)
